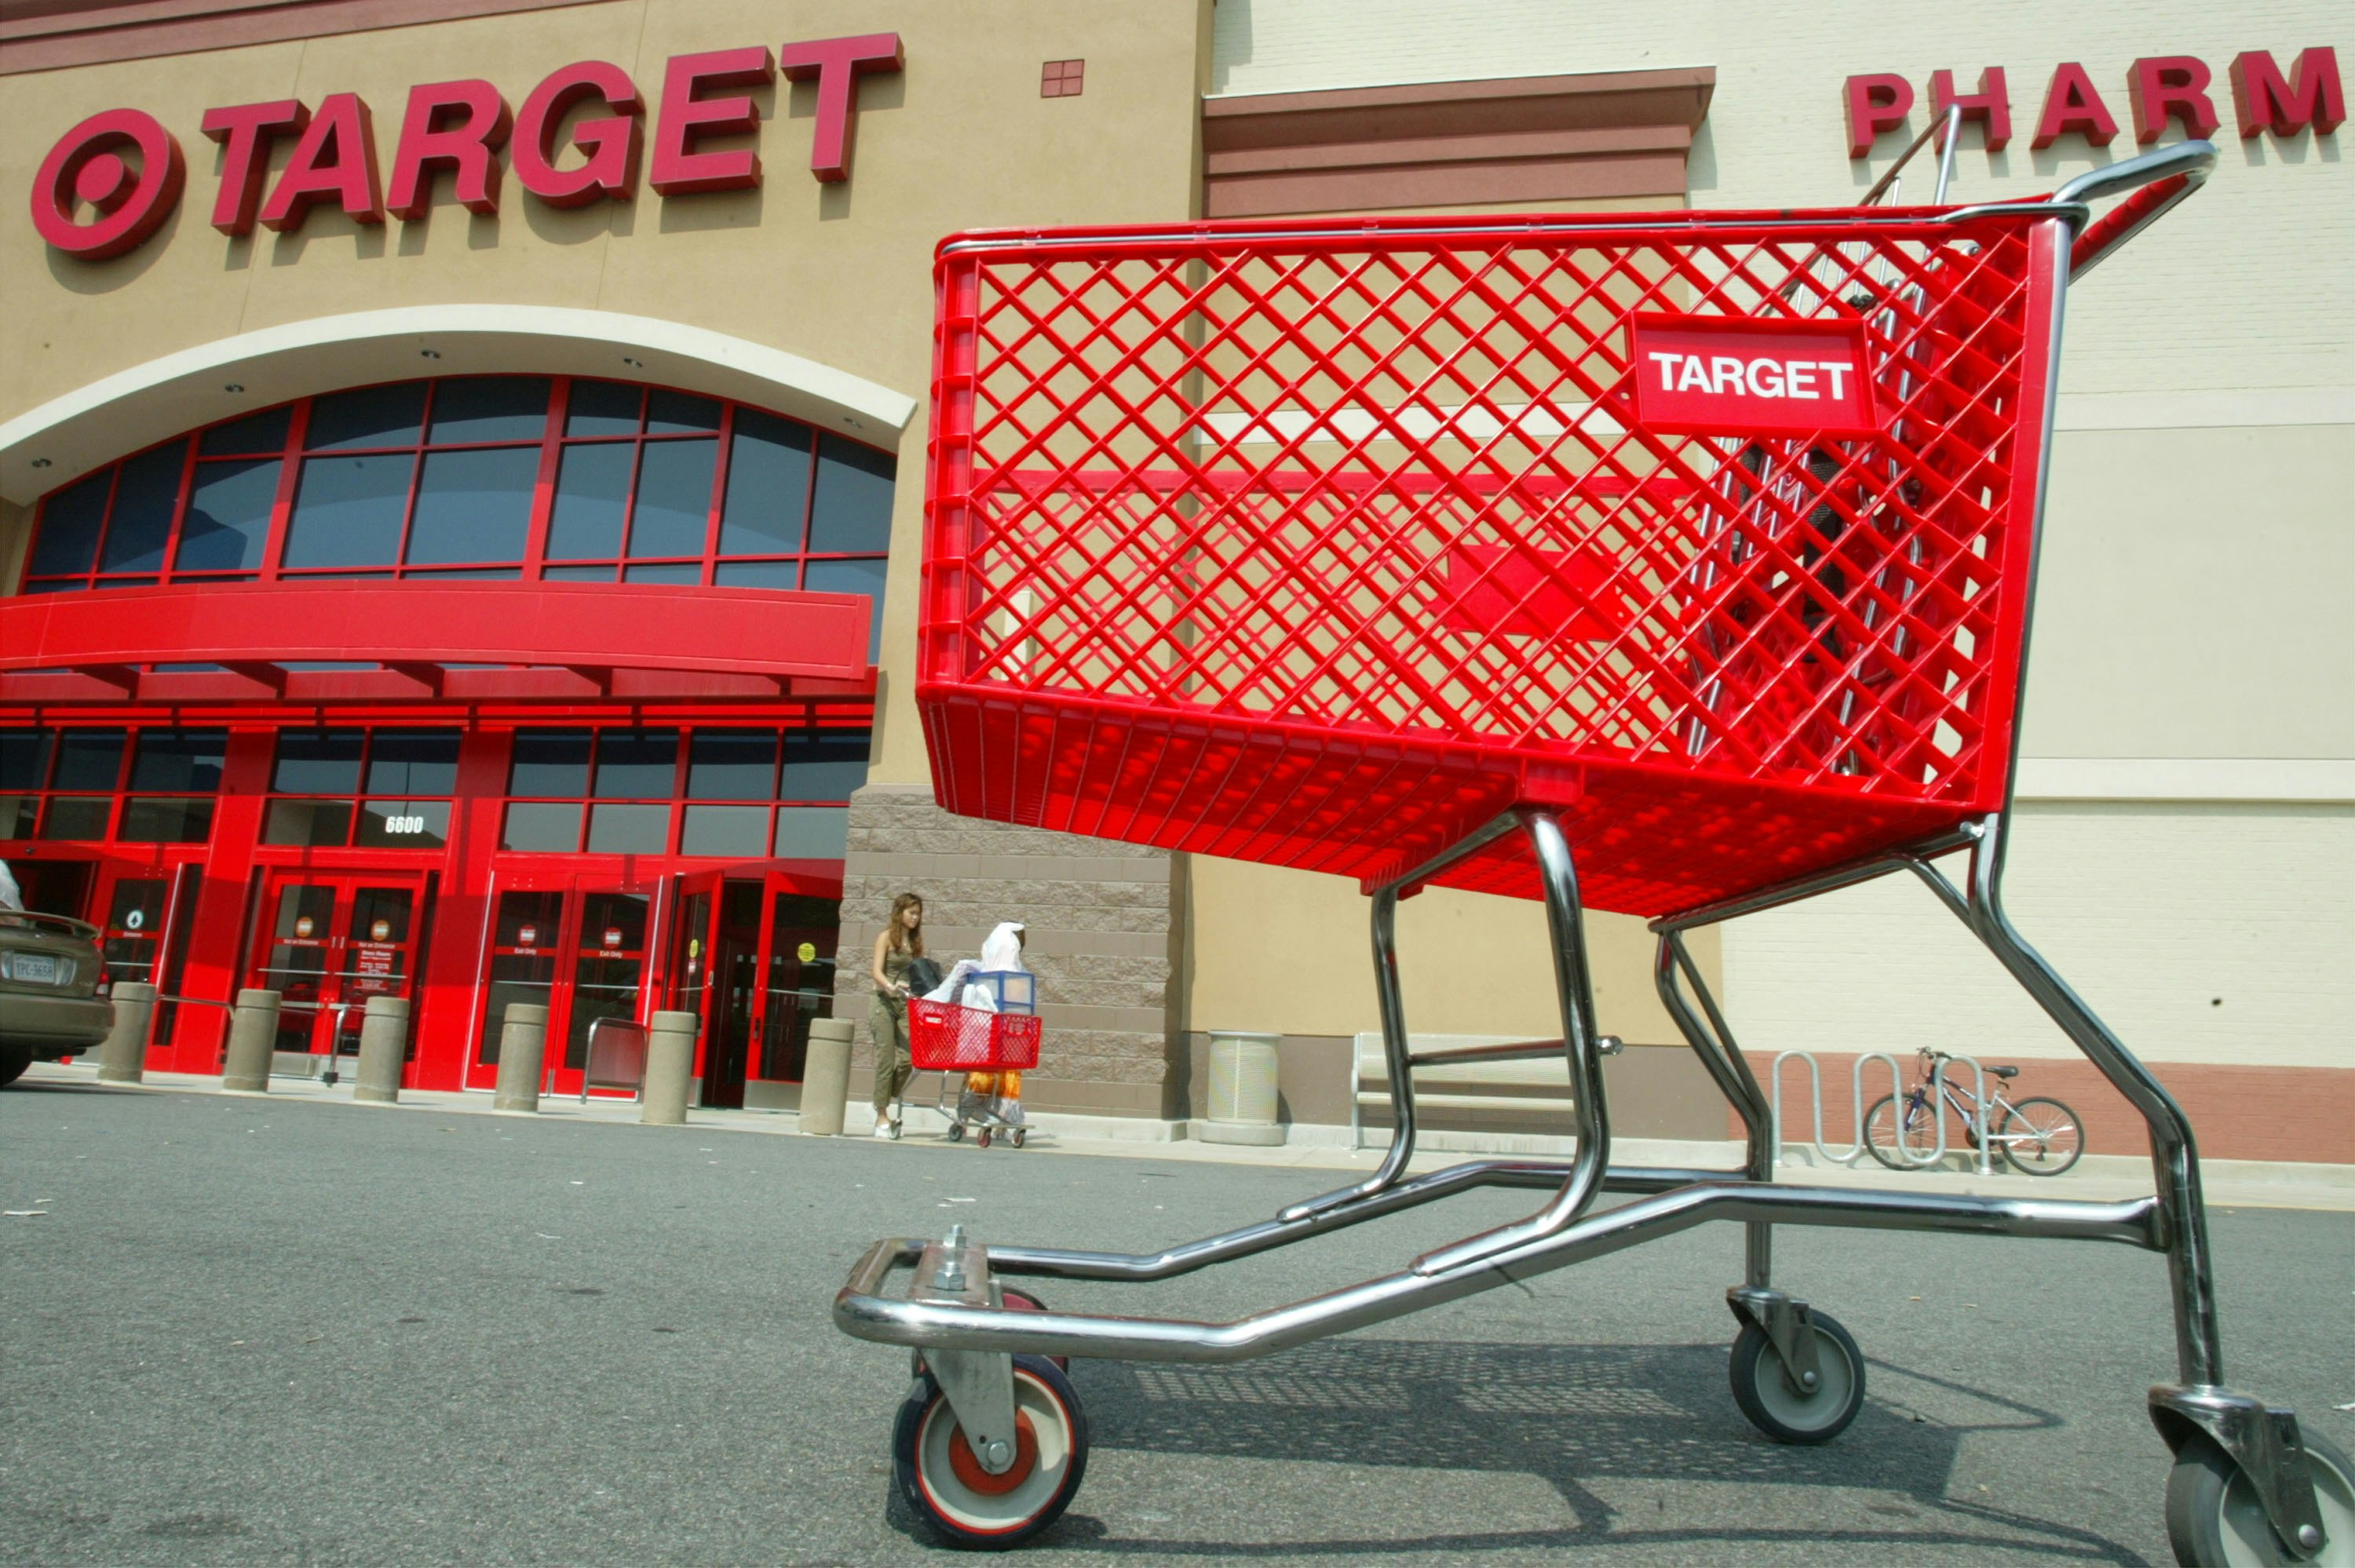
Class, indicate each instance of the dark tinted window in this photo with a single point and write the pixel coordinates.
(602, 408)
(318, 762)
(262, 432)
(550, 762)
(544, 826)
(474, 505)
(489, 408)
(69, 524)
(593, 492)
(851, 512)
(24, 759)
(144, 501)
(413, 762)
(679, 413)
(731, 764)
(186, 759)
(637, 765)
(227, 524)
(824, 765)
(757, 574)
(372, 417)
(768, 487)
(88, 759)
(674, 505)
(167, 821)
(348, 511)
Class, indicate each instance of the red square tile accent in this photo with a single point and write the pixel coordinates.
(1061, 79)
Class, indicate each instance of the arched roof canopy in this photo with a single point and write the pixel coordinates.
(151, 402)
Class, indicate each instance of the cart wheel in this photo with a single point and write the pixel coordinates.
(2214, 1521)
(981, 1137)
(1020, 1134)
(1781, 1411)
(1023, 1302)
(957, 1132)
(963, 1504)
(2042, 1136)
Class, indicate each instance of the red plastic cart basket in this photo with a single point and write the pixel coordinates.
(1321, 546)
(943, 1037)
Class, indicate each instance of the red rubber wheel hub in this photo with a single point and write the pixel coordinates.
(973, 1477)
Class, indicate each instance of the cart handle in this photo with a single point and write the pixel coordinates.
(2157, 181)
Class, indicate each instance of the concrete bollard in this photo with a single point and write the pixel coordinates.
(384, 1051)
(670, 1069)
(252, 1036)
(826, 1076)
(523, 1043)
(123, 1055)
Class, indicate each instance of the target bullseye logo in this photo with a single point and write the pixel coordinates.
(88, 168)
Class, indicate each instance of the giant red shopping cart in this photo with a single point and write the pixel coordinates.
(1675, 563)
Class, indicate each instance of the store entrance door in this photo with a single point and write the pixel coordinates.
(327, 942)
(753, 957)
(577, 945)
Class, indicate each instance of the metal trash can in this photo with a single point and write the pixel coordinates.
(1243, 1089)
(826, 1076)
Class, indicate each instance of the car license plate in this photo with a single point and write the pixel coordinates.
(40, 968)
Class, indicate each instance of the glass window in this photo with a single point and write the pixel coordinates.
(187, 759)
(679, 572)
(24, 759)
(144, 499)
(824, 764)
(637, 765)
(318, 762)
(628, 829)
(413, 762)
(77, 817)
(851, 512)
(69, 524)
(768, 487)
(228, 525)
(674, 505)
(167, 820)
(593, 493)
(88, 759)
(679, 413)
(757, 574)
(551, 762)
(262, 432)
(308, 822)
(472, 408)
(577, 574)
(742, 831)
(602, 408)
(730, 765)
(812, 832)
(542, 827)
(403, 824)
(16, 815)
(370, 417)
(853, 576)
(474, 505)
(348, 511)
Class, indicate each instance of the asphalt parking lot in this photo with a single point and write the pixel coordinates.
(246, 1332)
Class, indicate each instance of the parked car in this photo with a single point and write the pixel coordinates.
(49, 974)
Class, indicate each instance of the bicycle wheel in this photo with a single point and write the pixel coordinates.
(1882, 1133)
(2040, 1136)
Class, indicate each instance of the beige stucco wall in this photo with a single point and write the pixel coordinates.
(839, 275)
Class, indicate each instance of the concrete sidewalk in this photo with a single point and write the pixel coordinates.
(2229, 1183)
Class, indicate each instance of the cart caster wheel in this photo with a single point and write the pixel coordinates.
(2214, 1521)
(1023, 1302)
(957, 1132)
(1781, 1411)
(1020, 1136)
(963, 1504)
(981, 1137)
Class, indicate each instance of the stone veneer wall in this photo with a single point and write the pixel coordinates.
(1106, 927)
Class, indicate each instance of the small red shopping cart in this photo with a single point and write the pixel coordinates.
(943, 1037)
(1676, 564)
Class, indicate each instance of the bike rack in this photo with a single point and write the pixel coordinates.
(1897, 1091)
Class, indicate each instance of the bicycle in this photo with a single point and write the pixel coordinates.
(2038, 1135)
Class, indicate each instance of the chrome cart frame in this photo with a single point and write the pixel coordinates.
(954, 1317)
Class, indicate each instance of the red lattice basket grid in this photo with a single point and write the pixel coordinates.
(1319, 545)
(945, 1038)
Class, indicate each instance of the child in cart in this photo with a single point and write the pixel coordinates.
(996, 983)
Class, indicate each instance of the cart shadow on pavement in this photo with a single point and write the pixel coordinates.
(1568, 1416)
